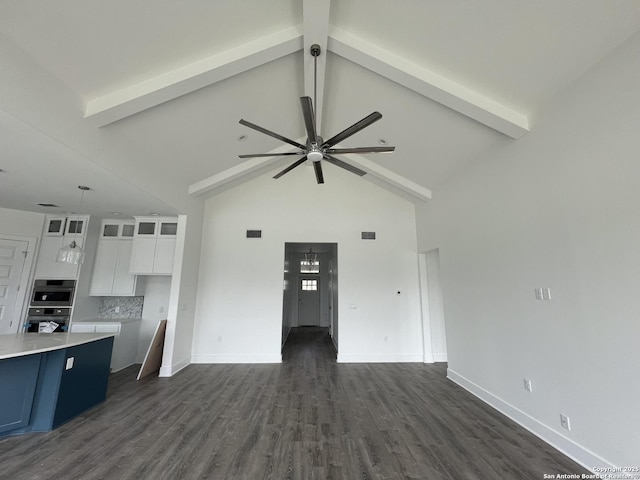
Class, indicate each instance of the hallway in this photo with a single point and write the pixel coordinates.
(306, 344)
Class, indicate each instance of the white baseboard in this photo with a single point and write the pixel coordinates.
(234, 358)
(380, 358)
(576, 452)
(428, 358)
(175, 368)
(440, 357)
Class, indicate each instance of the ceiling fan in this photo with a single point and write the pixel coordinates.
(318, 149)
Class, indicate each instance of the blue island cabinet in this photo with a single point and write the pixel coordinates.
(41, 391)
(18, 378)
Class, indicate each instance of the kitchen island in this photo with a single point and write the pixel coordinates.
(48, 379)
(125, 343)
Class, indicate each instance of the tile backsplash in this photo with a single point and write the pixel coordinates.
(129, 307)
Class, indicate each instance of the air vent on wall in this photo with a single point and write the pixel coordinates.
(254, 233)
(47, 205)
(368, 235)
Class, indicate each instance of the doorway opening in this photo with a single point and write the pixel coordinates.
(310, 291)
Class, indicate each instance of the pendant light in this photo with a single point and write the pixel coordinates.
(73, 253)
(311, 257)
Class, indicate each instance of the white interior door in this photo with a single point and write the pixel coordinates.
(308, 300)
(12, 262)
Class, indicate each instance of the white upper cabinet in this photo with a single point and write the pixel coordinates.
(111, 275)
(114, 229)
(59, 231)
(154, 244)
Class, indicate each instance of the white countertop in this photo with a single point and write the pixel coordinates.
(21, 344)
(108, 320)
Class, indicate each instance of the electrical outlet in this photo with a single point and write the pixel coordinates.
(546, 294)
(564, 421)
(538, 293)
(117, 309)
(527, 385)
(69, 364)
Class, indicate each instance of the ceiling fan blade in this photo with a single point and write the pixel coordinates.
(318, 168)
(291, 167)
(361, 150)
(346, 166)
(355, 128)
(309, 119)
(272, 134)
(256, 155)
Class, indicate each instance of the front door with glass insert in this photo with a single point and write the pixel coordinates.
(308, 300)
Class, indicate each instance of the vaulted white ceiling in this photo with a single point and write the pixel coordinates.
(144, 97)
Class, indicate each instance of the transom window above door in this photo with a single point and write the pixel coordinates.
(309, 266)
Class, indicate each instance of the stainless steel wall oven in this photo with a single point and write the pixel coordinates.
(53, 293)
(39, 318)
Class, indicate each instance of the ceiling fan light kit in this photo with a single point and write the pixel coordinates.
(316, 149)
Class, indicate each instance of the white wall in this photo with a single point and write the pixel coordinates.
(288, 295)
(557, 208)
(17, 222)
(239, 307)
(183, 290)
(433, 327)
(156, 303)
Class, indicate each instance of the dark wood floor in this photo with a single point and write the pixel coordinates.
(308, 418)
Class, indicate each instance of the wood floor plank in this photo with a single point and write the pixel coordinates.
(307, 418)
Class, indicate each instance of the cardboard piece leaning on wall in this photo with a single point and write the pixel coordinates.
(153, 359)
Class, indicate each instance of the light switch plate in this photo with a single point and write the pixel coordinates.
(564, 421)
(69, 364)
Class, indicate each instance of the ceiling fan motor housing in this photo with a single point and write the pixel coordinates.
(314, 156)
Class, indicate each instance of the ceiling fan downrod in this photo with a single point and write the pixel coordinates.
(315, 52)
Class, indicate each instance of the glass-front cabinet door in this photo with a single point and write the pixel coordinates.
(146, 228)
(55, 226)
(168, 229)
(117, 229)
(128, 229)
(75, 226)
